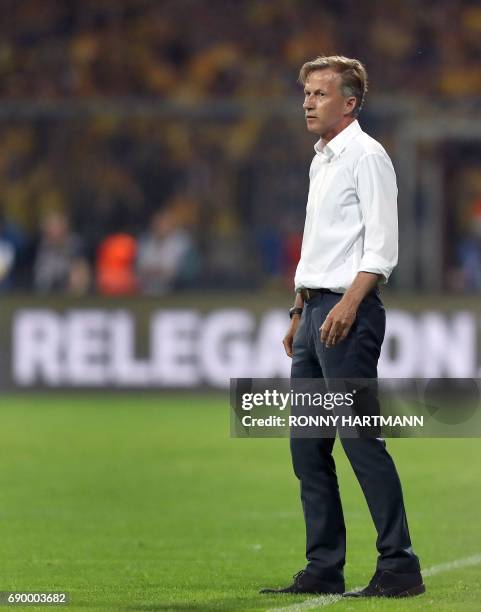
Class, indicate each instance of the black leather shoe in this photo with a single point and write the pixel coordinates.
(304, 582)
(385, 583)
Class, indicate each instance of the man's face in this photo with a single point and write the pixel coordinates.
(324, 105)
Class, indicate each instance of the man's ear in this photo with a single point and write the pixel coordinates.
(350, 104)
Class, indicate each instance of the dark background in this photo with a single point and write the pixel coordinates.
(112, 111)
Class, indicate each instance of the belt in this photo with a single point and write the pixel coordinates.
(308, 294)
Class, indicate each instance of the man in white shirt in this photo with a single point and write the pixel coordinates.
(350, 244)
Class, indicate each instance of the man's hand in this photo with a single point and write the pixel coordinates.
(289, 337)
(338, 323)
(340, 319)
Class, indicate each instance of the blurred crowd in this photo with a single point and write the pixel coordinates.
(189, 49)
(464, 221)
(182, 204)
(145, 204)
(161, 259)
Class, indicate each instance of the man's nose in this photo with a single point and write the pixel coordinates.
(307, 102)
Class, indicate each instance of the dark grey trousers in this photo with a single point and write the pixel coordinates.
(355, 357)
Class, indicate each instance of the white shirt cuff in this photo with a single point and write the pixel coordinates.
(376, 265)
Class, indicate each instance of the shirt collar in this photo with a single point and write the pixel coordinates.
(337, 145)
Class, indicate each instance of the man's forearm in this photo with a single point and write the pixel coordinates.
(361, 286)
(298, 302)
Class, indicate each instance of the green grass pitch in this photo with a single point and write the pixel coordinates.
(144, 502)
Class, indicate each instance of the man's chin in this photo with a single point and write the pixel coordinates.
(313, 128)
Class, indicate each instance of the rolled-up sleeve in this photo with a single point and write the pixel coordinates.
(377, 193)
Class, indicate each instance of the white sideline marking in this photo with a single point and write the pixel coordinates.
(317, 602)
(327, 600)
(446, 567)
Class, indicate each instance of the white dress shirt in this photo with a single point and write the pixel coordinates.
(351, 215)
